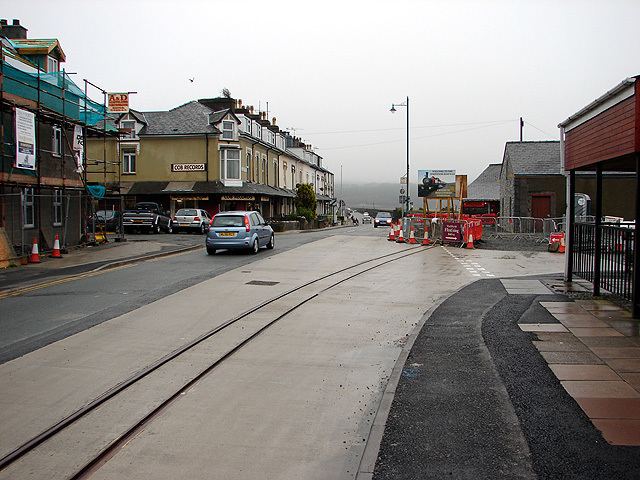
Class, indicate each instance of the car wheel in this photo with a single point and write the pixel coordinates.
(203, 229)
(255, 247)
(211, 251)
(272, 242)
(169, 228)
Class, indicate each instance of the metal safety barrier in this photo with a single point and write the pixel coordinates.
(522, 228)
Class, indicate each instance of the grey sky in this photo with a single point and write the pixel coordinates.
(329, 66)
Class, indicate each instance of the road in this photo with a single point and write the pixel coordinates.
(289, 353)
(46, 315)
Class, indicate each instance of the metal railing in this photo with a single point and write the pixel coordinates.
(522, 228)
(616, 260)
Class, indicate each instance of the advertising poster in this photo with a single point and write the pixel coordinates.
(78, 147)
(436, 183)
(25, 140)
(117, 103)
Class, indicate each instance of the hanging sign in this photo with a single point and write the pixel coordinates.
(78, 147)
(25, 140)
(117, 102)
(238, 198)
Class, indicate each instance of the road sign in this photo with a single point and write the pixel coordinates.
(402, 191)
(402, 199)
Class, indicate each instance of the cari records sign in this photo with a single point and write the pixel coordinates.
(187, 167)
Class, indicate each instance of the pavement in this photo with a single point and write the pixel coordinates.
(483, 393)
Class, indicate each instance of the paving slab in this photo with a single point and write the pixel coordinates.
(583, 372)
(599, 389)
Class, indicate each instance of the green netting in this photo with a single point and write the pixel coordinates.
(55, 91)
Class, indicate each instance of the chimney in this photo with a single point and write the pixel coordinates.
(15, 31)
(251, 109)
(239, 103)
(273, 121)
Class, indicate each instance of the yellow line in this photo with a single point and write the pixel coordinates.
(59, 281)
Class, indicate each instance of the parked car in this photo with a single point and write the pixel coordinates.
(105, 220)
(239, 230)
(147, 216)
(366, 218)
(191, 219)
(383, 219)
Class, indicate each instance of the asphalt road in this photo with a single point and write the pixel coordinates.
(36, 319)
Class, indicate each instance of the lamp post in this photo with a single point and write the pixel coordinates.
(393, 110)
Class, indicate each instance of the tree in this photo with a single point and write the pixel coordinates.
(306, 201)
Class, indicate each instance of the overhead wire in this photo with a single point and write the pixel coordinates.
(412, 128)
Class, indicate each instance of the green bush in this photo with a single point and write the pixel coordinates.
(306, 201)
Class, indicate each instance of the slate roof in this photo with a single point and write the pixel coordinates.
(533, 158)
(190, 118)
(487, 185)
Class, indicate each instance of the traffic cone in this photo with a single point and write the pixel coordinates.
(392, 233)
(400, 237)
(425, 240)
(470, 241)
(412, 237)
(35, 255)
(561, 248)
(56, 248)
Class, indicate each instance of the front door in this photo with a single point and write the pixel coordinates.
(540, 209)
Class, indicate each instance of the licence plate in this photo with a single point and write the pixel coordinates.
(185, 224)
(137, 221)
(227, 234)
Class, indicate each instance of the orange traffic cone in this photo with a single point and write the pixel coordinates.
(561, 248)
(400, 237)
(470, 241)
(425, 240)
(56, 248)
(412, 237)
(35, 255)
(392, 233)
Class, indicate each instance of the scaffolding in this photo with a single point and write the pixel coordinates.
(54, 99)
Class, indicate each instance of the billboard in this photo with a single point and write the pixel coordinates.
(436, 183)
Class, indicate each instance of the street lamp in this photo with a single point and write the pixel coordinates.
(393, 110)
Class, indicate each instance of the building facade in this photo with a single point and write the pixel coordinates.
(215, 154)
(41, 181)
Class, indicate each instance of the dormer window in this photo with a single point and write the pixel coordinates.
(228, 129)
(52, 65)
(129, 125)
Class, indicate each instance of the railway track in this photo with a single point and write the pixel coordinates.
(236, 338)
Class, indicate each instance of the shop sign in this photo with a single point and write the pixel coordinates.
(452, 231)
(188, 167)
(238, 198)
(25, 140)
(196, 197)
(117, 103)
(264, 199)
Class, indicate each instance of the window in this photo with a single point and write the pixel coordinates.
(264, 170)
(275, 172)
(52, 64)
(254, 219)
(228, 129)
(56, 141)
(130, 125)
(248, 162)
(129, 161)
(247, 125)
(230, 167)
(57, 207)
(28, 211)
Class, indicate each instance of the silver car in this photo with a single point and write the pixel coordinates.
(239, 230)
(191, 220)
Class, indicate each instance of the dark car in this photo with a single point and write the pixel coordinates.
(245, 230)
(105, 220)
(383, 219)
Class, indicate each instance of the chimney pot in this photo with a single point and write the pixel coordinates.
(273, 121)
(239, 103)
(3, 21)
(16, 21)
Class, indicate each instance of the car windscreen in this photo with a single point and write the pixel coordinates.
(383, 215)
(228, 221)
(187, 212)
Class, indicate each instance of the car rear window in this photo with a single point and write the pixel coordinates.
(228, 221)
(187, 212)
(383, 215)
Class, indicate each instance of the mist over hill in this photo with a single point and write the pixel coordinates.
(375, 195)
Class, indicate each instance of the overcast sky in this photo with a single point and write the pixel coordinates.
(332, 69)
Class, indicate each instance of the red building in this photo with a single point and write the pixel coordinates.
(605, 137)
